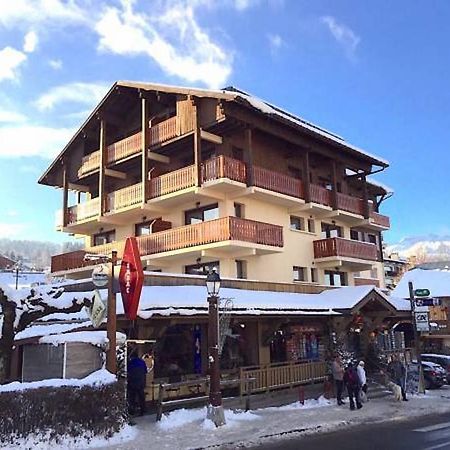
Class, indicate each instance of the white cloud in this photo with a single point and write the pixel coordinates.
(30, 42)
(55, 64)
(33, 140)
(344, 35)
(10, 61)
(12, 230)
(171, 37)
(9, 116)
(82, 93)
(275, 43)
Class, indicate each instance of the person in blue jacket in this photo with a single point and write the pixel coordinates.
(136, 376)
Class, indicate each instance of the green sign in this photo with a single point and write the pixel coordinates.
(422, 292)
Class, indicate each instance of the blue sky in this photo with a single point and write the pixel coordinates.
(374, 72)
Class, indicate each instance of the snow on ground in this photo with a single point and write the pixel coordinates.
(188, 429)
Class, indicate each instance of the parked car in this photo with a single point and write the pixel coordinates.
(435, 376)
(442, 360)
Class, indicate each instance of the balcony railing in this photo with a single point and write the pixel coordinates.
(366, 282)
(172, 182)
(83, 211)
(277, 182)
(209, 232)
(379, 219)
(351, 204)
(122, 198)
(320, 195)
(339, 247)
(224, 167)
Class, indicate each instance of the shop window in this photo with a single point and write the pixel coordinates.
(311, 225)
(331, 230)
(239, 210)
(203, 214)
(104, 237)
(297, 223)
(241, 269)
(202, 268)
(314, 275)
(298, 273)
(335, 278)
(303, 343)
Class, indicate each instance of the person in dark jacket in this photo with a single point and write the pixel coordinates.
(137, 374)
(397, 372)
(352, 384)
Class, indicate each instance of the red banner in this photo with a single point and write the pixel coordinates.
(131, 278)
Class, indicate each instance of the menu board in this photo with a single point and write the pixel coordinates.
(412, 378)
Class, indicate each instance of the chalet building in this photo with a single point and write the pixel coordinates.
(6, 263)
(222, 179)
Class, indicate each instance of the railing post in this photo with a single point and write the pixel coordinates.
(103, 162)
(249, 156)
(144, 149)
(306, 178)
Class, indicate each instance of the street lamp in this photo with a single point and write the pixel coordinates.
(215, 408)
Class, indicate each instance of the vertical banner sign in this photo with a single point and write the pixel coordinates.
(131, 278)
(197, 349)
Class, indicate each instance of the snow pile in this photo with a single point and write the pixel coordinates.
(100, 377)
(309, 404)
(47, 329)
(98, 338)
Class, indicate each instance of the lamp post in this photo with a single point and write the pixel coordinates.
(215, 408)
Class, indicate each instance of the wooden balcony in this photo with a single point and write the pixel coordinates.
(277, 182)
(172, 182)
(83, 211)
(222, 174)
(231, 232)
(337, 252)
(350, 204)
(320, 195)
(360, 281)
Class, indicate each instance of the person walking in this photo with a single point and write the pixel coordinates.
(136, 374)
(397, 372)
(361, 371)
(352, 384)
(337, 370)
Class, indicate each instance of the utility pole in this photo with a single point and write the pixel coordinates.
(111, 325)
(417, 345)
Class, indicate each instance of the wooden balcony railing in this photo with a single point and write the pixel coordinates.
(68, 261)
(83, 211)
(173, 181)
(277, 182)
(366, 282)
(324, 248)
(380, 220)
(351, 204)
(89, 163)
(163, 131)
(122, 198)
(320, 195)
(224, 167)
(124, 148)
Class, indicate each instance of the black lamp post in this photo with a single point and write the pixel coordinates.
(215, 408)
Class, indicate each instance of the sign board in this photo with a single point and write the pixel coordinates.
(97, 311)
(100, 275)
(412, 378)
(422, 292)
(422, 322)
(428, 301)
(131, 278)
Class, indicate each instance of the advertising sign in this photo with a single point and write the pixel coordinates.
(97, 311)
(422, 322)
(131, 278)
(100, 275)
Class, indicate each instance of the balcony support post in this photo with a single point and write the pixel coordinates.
(306, 178)
(248, 155)
(103, 162)
(334, 196)
(145, 145)
(366, 212)
(65, 194)
(197, 144)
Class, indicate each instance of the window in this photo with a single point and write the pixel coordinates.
(314, 275)
(105, 237)
(298, 273)
(330, 230)
(372, 238)
(311, 225)
(144, 228)
(354, 235)
(239, 210)
(374, 273)
(297, 223)
(198, 215)
(202, 268)
(335, 278)
(241, 269)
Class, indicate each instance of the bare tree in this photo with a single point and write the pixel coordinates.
(21, 308)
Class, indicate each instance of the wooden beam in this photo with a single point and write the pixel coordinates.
(79, 187)
(334, 196)
(65, 194)
(157, 157)
(248, 155)
(306, 177)
(103, 161)
(366, 211)
(144, 146)
(197, 145)
(115, 174)
(210, 137)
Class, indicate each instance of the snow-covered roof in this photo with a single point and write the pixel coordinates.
(380, 185)
(39, 329)
(437, 281)
(97, 337)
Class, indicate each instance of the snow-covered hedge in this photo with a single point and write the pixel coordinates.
(85, 408)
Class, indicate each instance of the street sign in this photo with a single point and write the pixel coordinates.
(100, 275)
(422, 292)
(97, 311)
(428, 301)
(422, 322)
(131, 278)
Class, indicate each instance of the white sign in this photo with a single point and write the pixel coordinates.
(100, 275)
(422, 323)
(97, 311)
